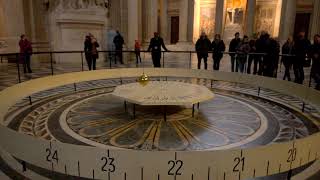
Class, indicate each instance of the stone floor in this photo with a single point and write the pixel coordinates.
(240, 118)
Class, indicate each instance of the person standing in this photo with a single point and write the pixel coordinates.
(88, 51)
(252, 57)
(243, 50)
(118, 43)
(155, 47)
(203, 46)
(301, 47)
(25, 53)
(287, 58)
(262, 47)
(137, 48)
(95, 53)
(218, 47)
(233, 49)
(271, 60)
(315, 55)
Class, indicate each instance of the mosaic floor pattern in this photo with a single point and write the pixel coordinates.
(236, 117)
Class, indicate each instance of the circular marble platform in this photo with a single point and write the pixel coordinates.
(163, 93)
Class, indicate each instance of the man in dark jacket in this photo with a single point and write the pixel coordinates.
(253, 58)
(218, 47)
(203, 45)
(288, 52)
(315, 55)
(155, 47)
(118, 42)
(262, 47)
(271, 60)
(302, 46)
(234, 44)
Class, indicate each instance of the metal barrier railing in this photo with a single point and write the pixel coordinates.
(110, 56)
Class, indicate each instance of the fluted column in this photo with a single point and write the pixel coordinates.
(152, 17)
(196, 20)
(13, 24)
(219, 16)
(315, 27)
(133, 21)
(164, 19)
(288, 16)
(183, 21)
(251, 7)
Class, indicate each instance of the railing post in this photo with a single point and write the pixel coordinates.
(1, 59)
(51, 63)
(30, 100)
(18, 67)
(110, 58)
(246, 65)
(190, 60)
(163, 59)
(310, 79)
(82, 61)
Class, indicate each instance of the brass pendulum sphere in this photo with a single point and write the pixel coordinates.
(143, 79)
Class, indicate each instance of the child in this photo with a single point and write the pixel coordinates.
(137, 48)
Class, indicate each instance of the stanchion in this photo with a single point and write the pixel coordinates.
(18, 68)
(110, 58)
(30, 101)
(163, 59)
(51, 63)
(310, 79)
(190, 60)
(82, 61)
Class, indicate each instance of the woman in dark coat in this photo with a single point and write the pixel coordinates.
(88, 51)
(95, 53)
(287, 59)
(218, 47)
(91, 52)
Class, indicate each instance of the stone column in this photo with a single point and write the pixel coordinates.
(183, 21)
(288, 16)
(13, 24)
(152, 18)
(249, 24)
(164, 19)
(133, 21)
(196, 20)
(315, 27)
(219, 16)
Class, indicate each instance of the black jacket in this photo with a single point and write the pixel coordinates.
(203, 46)
(234, 45)
(302, 47)
(87, 46)
(156, 44)
(118, 41)
(288, 49)
(218, 48)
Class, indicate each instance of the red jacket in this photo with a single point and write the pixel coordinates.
(25, 46)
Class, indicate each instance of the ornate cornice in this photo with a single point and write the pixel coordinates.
(76, 4)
